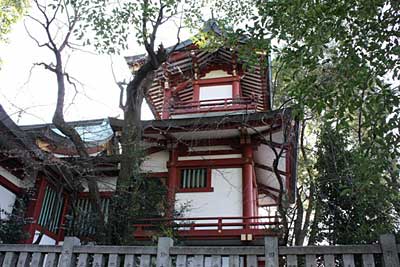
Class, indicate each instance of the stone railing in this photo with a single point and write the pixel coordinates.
(71, 253)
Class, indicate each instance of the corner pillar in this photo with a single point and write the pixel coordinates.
(248, 184)
(236, 87)
(173, 178)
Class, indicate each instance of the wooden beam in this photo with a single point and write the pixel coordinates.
(267, 168)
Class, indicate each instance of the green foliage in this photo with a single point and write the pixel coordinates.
(10, 12)
(11, 224)
(144, 198)
(354, 203)
(337, 65)
(115, 23)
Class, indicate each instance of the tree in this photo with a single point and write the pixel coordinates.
(113, 24)
(335, 58)
(354, 204)
(11, 224)
(58, 21)
(67, 23)
(10, 12)
(337, 64)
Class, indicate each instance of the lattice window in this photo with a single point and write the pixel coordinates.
(194, 178)
(50, 213)
(85, 220)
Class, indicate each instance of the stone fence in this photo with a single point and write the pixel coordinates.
(71, 253)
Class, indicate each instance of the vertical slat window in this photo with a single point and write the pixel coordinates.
(50, 213)
(193, 178)
(84, 221)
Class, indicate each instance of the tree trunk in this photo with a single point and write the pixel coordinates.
(73, 135)
(302, 230)
(281, 207)
(298, 223)
(131, 141)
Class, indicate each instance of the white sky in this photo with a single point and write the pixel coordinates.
(36, 96)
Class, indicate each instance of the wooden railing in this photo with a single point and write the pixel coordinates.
(71, 253)
(243, 103)
(212, 227)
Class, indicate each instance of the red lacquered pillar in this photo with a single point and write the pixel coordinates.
(247, 186)
(173, 179)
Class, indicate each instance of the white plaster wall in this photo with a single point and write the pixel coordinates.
(46, 240)
(105, 184)
(225, 200)
(265, 156)
(156, 162)
(215, 92)
(266, 200)
(10, 177)
(7, 200)
(15, 180)
(268, 178)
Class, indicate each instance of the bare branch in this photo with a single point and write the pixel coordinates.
(46, 66)
(55, 13)
(33, 38)
(178, 38)
(121, 86)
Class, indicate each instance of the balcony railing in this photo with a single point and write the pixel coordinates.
(214, 105)
(211, 227)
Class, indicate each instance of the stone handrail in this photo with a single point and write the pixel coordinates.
(71, 253)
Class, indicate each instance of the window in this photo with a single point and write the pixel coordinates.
(215, 92)
(84, 222)
(195, 180)
(51, 211)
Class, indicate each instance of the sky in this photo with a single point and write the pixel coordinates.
(29, 94)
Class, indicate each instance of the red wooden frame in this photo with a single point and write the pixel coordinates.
(208, 187)
(7, 184)
(221, 228)
(248, 185)
(225, 67)
(34, 207)
(61, 230)
(210, 152)
(233, 80)
(214, 105)
(172, 129)
(215, 163)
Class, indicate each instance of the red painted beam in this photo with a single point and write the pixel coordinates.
(234, 162)
(10, 185)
